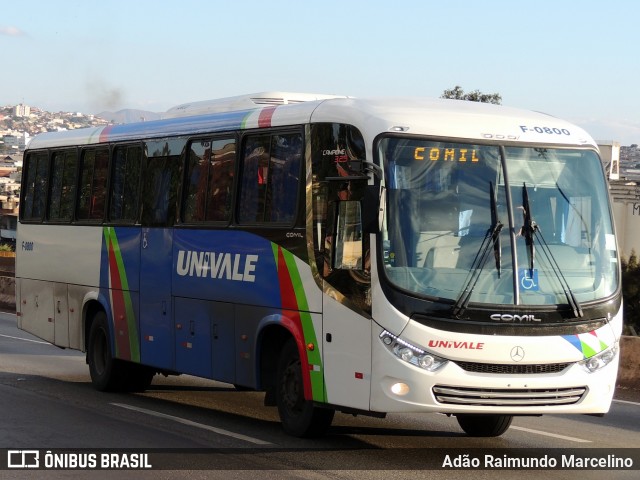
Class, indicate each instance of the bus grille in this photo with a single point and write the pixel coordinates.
(514, 369)
(508, 397)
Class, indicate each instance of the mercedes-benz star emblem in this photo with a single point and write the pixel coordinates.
(517, 354)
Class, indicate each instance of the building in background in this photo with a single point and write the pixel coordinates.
(610, 155)
(622, 167)
(21, 110)
(10, 170)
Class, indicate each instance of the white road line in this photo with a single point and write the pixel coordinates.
(219, 431)
(627, 402)
(554, 435)
(25, 339)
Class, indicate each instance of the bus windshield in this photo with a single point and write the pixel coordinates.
(499, 225)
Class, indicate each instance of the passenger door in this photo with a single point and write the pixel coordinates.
(159, 190)
(346, 321)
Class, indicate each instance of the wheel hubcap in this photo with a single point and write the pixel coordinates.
(291, 388)
(100, 353)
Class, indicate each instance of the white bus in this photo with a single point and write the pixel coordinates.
(359, 255)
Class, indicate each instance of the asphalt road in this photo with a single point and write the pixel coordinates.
(207, 429)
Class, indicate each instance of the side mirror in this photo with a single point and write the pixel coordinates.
(373, 205)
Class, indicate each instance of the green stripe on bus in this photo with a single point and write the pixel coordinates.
(308, 331)
(132, 326)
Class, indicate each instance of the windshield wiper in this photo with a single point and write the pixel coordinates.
(530, 230)
(496, 226)
(492, 237)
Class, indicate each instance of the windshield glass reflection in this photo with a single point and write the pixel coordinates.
(443, 233)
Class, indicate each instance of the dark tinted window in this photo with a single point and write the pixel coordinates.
(125, 183)
(36, 173)
(63, 185)
(93, 183)
(210, 180)
(270, 178)
(160, 184)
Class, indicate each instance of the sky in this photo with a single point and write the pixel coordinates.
(574, 59)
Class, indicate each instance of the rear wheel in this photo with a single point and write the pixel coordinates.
(106, 372)
(299, 417)
(484, 425)
(109, 374)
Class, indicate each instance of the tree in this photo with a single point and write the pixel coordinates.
(457, 93)
(631, 290)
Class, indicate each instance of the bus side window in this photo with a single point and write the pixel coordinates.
(125, 183)
(210, 172)
(93, 183)
(198, 160)
(270, 178)
(286, 156)
(255, 175)
(37, 171)
(159, 191)
(221, 175)
(63, 185)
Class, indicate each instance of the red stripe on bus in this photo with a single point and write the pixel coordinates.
(289, 301)
(118, 307)
(264, 119)
(104, 134)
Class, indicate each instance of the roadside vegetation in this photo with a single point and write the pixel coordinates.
(631, 293)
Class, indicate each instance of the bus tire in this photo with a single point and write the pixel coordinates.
(484, 425)
(106, 371)
(299, 417)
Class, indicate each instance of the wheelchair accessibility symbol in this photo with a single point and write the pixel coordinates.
(528, 279)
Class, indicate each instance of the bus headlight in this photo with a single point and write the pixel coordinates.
(410, 353)
(595, 363)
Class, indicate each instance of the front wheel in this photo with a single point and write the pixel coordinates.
(484, 425)
(299, 417)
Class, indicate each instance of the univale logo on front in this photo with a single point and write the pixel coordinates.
(456, 344)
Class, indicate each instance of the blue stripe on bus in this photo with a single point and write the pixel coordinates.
(230, 266)
(218, 265)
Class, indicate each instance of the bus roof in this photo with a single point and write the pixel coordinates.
(454, 119)
(413, 116)
(242, 102)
